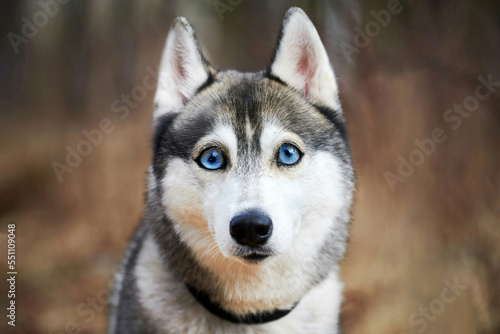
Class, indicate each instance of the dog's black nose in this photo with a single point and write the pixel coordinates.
(251, 228)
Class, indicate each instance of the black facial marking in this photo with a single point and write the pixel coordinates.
(248, 109)
(341, 145)
(334, 118)
(160, 136)
(170, 141)
(271, 76)
(210, 80)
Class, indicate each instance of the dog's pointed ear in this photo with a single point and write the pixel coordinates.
(183, 69)
(300, 60)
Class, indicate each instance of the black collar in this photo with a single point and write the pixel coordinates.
(253, 318)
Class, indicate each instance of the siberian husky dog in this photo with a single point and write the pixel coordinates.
(249, 196)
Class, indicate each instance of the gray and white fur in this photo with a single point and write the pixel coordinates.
(184, 238)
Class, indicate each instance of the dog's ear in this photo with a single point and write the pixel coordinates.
(300, 60)
(183, 69)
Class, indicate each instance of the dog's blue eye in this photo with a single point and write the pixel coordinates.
(212, 158)
(288, 154)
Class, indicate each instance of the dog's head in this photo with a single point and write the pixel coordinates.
(251, 166)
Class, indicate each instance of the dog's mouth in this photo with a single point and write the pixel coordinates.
(255, 257)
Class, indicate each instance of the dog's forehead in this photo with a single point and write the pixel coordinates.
(247, 103)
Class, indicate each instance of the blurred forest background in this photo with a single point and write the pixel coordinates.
(439, 225)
